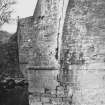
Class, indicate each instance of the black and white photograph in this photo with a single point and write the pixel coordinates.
(52, 52)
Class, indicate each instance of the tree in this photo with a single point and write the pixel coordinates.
(6, 11)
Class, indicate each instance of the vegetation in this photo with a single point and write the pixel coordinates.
(6, 11)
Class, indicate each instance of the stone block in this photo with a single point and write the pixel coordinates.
(45, 99)
(34, 98)
(56, 101)
(36, 103)
(60, 91)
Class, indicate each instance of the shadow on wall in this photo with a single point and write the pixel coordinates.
(8, 54)
(12, 91)
(14, 96)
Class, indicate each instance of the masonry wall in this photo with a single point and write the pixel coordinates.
(80, 80)
(83, 48)
(40, 35)
(38, 51)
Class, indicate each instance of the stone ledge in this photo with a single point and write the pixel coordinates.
(42, 68)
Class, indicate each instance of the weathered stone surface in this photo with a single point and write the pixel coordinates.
(79, 49)
(45, 99)
(40, 80)
(38, 43)
(83, 50)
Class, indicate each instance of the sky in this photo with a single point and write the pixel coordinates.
(23, 8)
